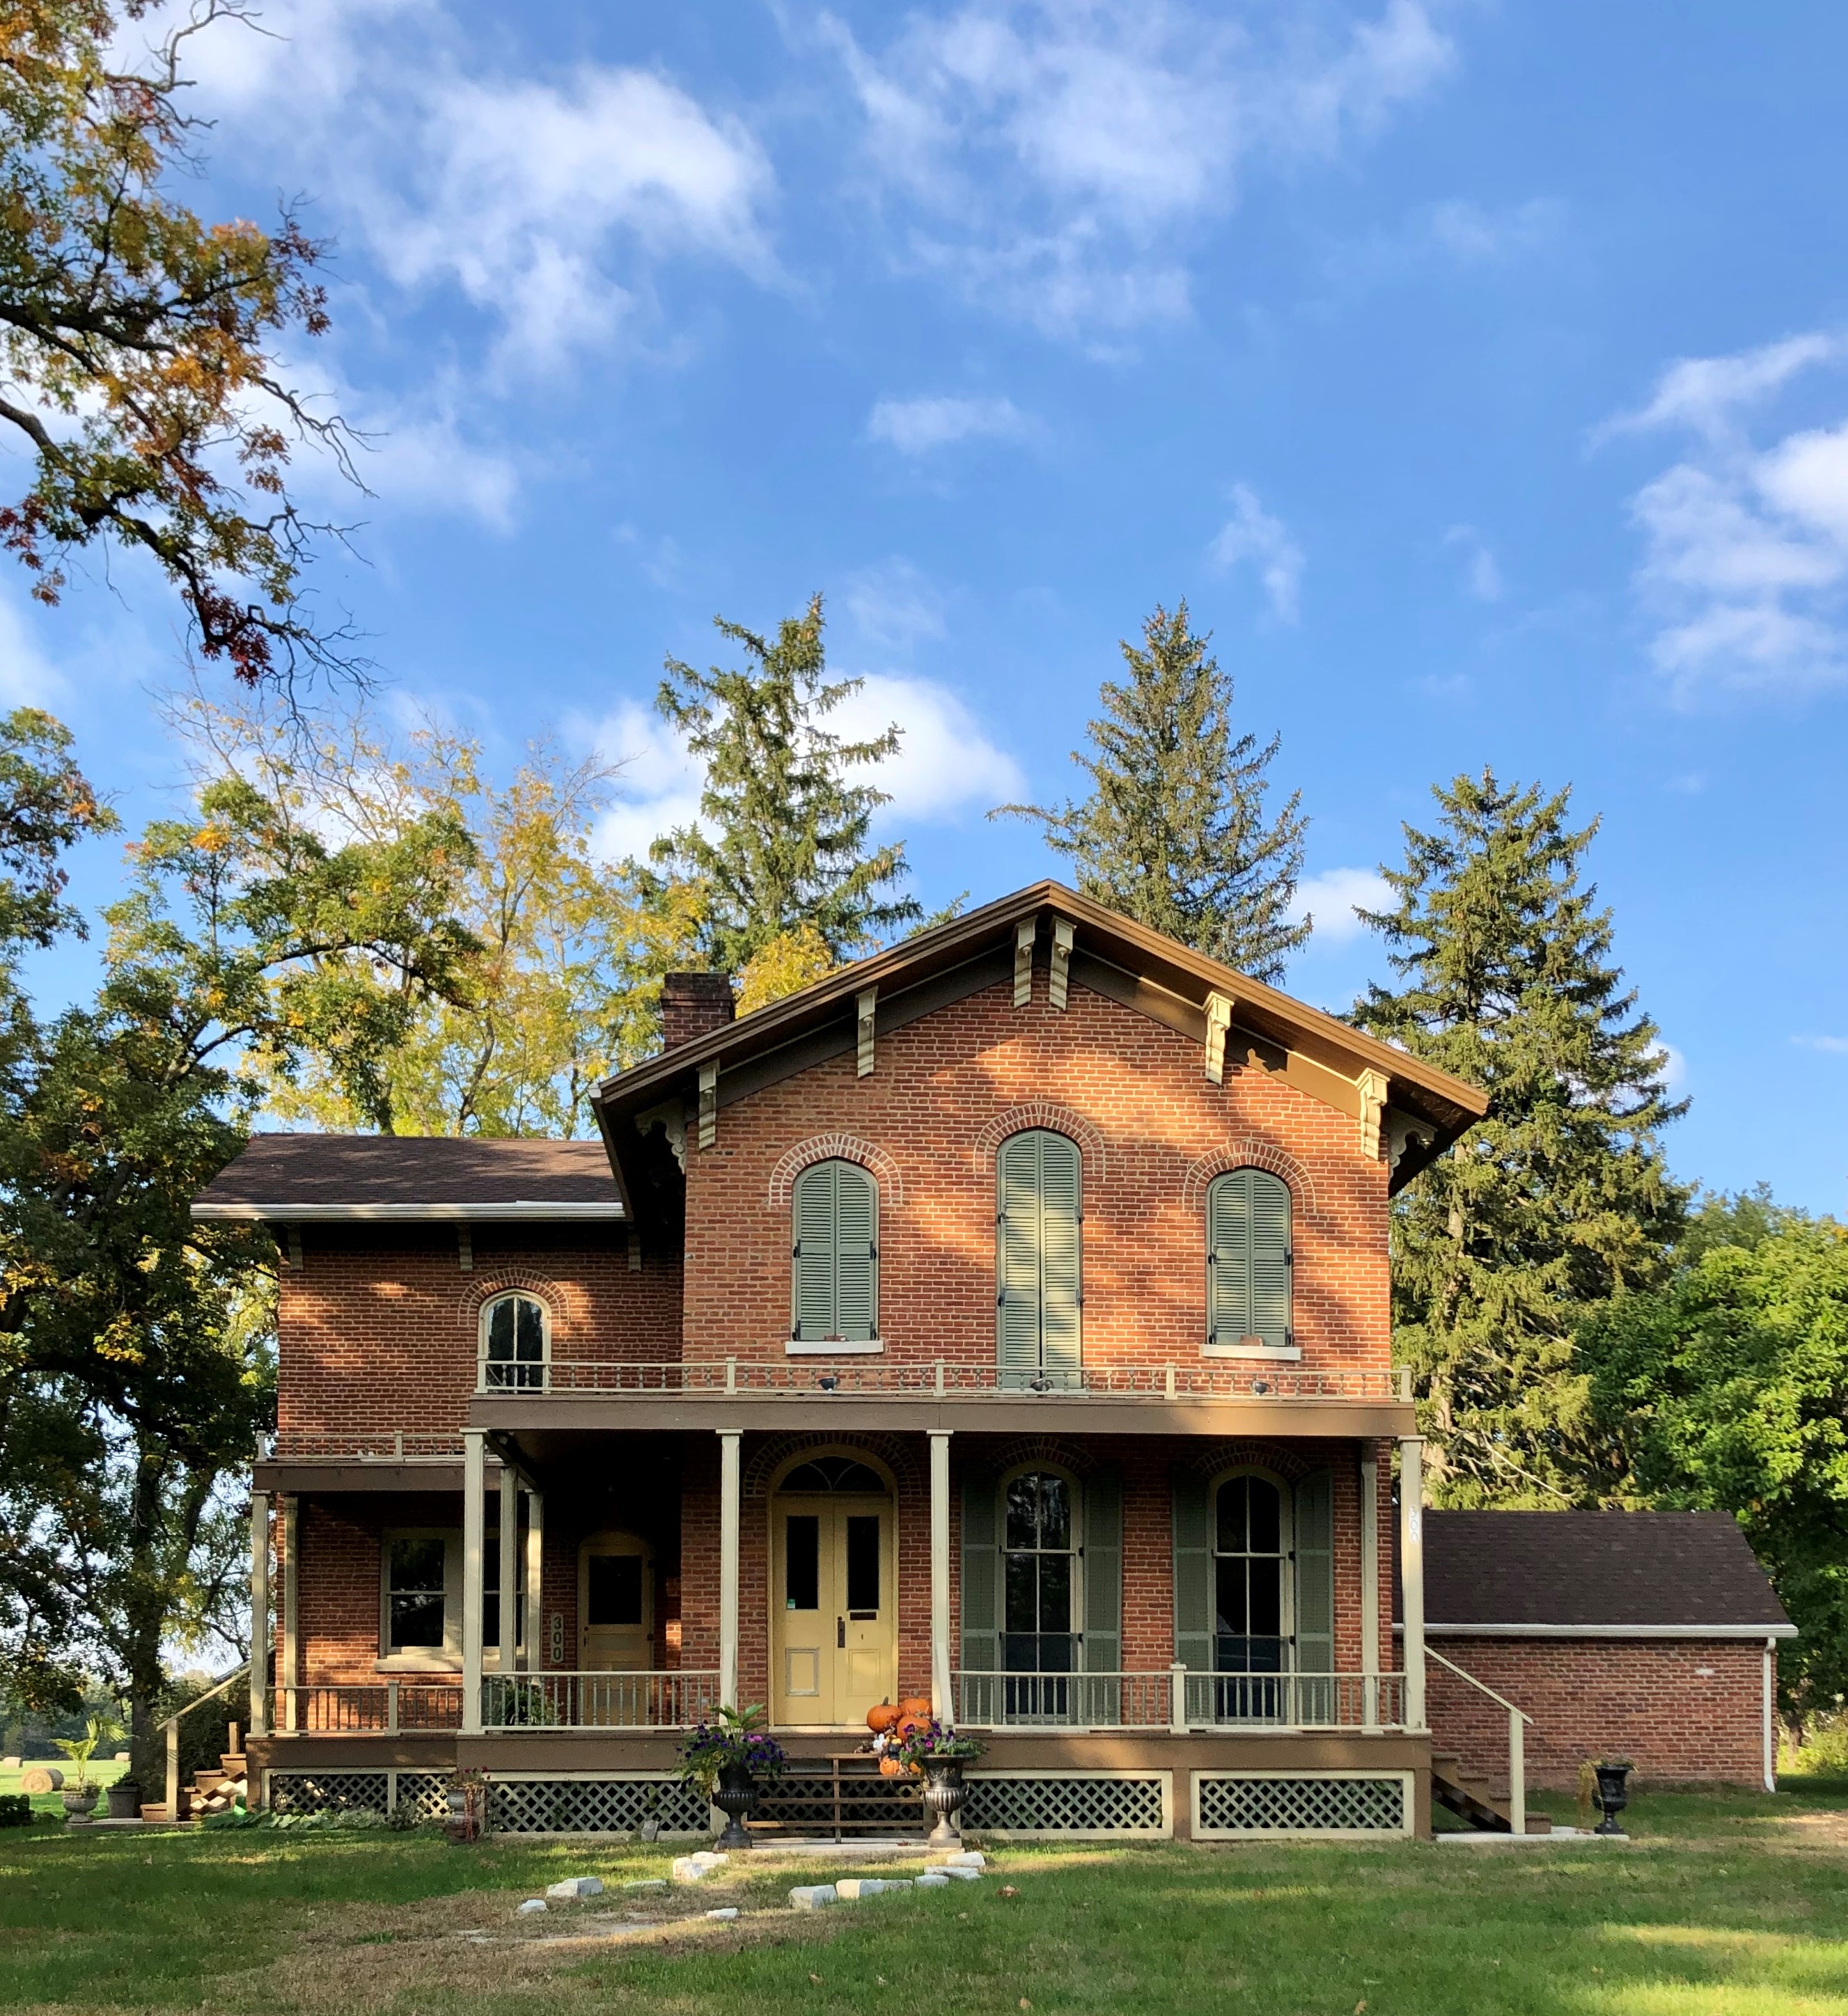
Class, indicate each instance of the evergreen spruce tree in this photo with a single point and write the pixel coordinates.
(1174, 830)
(782, 853)
(1559, 1197)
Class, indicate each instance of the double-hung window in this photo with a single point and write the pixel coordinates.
(834, 1286)
(1248, 1265)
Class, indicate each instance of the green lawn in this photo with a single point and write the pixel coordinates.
(1736, 1905)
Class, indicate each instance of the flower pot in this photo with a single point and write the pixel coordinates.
(649, 1829)
(124, 1798)
(79, 1800)
(943, 1795)
(1613, 1796)
(735, 1795)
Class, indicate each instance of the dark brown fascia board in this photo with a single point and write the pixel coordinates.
(521, 1210)
(1433, 1096)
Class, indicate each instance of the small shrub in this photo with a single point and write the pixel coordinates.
(16, 1810)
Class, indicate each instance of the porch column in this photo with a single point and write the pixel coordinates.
(942, 1690)
(728, 1567)
(509, 1567)
(259, 1613)
(1370, 1586)
(474, 1523)
(1411, 1571)
(536, 1580)
(290, 1674)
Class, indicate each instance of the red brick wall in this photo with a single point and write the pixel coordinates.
(933, 1111)
(1684, 1711)
(378, 1332)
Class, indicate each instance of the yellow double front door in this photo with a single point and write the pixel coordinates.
(834, 1651)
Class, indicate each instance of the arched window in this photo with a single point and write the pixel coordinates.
(835, 1291)
(1038, 1288)
(515, 1340)
(1248, 1263)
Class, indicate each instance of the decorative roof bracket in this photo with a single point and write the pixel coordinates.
(866, 1002)
(1061, 960)
(1219, 1020)
(708, 1104)
(1371, 1085)
(1025, 933)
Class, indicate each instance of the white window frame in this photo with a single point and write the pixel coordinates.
(423, 1658)
(1073, 1484)
(488, 1309)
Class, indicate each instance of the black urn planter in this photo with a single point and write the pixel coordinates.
(1613, 1796)
(735, 1795)
(943, 1795)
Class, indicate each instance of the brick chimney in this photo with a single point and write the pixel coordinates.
(693, 1005)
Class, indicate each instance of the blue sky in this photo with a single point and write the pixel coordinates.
(1480, 373)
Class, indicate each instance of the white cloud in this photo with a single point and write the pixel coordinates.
(1057, 155)
(1673, 1064)
(1744, 573)
(1253, 534)
(1482, 574)
(1707, 393)
(548, 203)
(27, 678)
(916, 426)
(1835, 1047)
(1477, 236)
(945, 766)
(893, 606)
(1334, 898)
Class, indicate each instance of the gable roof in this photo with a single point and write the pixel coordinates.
(1596, 1574)
(1157, 975)
(305, 1177)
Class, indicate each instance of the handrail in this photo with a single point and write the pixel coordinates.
(1477, 1685)
(1517, 1719)
(171, 1724)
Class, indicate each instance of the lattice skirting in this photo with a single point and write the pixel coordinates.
(426, 1792)
(1231, 1806)
(1096, 1805)
(593, 1805)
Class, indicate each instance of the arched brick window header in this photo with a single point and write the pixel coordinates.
(561, 1303)
(1247, 1155)
(836, 1148)
(1041, 1112)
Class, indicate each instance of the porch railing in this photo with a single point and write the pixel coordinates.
(1204, 1700)
(598, 1700)
(939, 1379)
(385, 1708)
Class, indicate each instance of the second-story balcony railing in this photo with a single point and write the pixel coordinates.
(941, 1379)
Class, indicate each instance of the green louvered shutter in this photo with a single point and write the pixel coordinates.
(1061, 1274)
(1016, 1240)
(1270, 1259)
(1104, 1595)
(979, 1699)
(1228, 1264)
(1248, 1257)
(1315, 1594)
(1195, 1597)
(856, 1258)
(813, 1314)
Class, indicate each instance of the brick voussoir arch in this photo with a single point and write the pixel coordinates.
(1282, 1459)
(1041, 1112)
(1078, 1457)
(835, 1148)
(894, 1451)
(561, 1302)
(1248, 1154)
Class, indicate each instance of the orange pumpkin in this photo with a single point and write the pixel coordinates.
(905, 1724)
(880, 1718)
(918, 1704)
(889, 1767)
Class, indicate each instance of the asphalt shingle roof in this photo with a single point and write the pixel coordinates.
(326, 1170)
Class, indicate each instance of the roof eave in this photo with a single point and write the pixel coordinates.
(284, 1212)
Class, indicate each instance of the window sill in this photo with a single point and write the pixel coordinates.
(835, 1346)
(1285, 1353)
(419, 1662)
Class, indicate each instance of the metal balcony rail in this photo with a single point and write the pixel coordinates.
(386, 1446)
(386, 1707)
(1205, 1700)
(939, 1379)
(598, 1700)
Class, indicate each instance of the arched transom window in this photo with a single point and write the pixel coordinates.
(516, 1337)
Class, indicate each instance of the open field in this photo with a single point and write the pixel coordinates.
(1726, 1906)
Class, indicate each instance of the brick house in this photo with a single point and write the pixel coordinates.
(1003, 1320)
